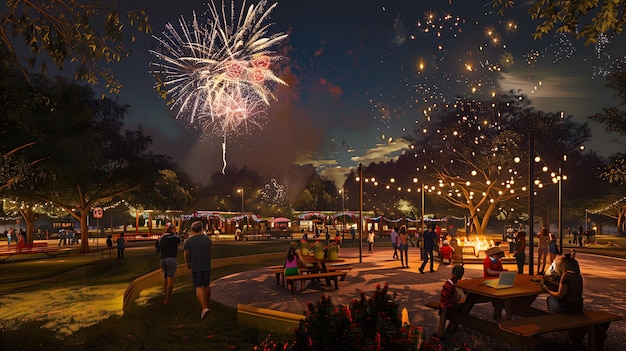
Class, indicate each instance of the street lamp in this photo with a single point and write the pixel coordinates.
(559, 178)
(241, 191)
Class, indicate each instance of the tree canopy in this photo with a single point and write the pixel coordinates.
(84, 157)
(36, 33)
(585, 19)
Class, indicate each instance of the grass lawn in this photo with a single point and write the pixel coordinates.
(74, 304)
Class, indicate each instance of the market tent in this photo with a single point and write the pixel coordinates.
(281, 220)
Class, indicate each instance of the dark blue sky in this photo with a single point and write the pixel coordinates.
(361, 74)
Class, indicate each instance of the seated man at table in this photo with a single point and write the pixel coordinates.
(449, 298)
(492, 266)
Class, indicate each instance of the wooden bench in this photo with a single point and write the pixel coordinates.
(256, 236)
(593, 323)
(279, 272)
(329, 276)
(32, 249)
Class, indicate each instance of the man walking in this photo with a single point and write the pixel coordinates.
(198, 249)
(167, 246)
(430, 237)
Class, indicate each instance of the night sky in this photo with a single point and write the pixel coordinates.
(361, 74)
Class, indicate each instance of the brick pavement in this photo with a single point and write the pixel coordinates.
(603, 277)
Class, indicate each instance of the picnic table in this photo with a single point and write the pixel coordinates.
(516, 301)
(8, 251)
(525, 330)
(319, 270)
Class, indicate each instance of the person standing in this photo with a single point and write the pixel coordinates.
(520, 253)
(9, 236)
(553, 248)
(198, 251)
(542, 250)
(370, 240)
(168, 250)
(121, 245)
(394, 243)
(404, 246)
(430, 237)
(109, 243)
(580, 234)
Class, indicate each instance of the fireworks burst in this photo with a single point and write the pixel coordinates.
(217, 74)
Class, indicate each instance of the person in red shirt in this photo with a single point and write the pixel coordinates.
(449, 298)
(492, 266)
(446, 251)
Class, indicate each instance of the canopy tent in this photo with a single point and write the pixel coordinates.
(281, 220)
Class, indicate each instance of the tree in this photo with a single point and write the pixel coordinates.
(586, 19)
(475, 154)
(222, 191)
(85, 157)
(614, 119)
(68, 31)
(320, 193)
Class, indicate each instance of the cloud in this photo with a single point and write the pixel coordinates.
(383, 152)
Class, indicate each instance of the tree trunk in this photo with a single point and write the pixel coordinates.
(28, 215)
(81, 217)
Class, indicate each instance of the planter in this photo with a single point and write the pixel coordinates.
(319, 255)
(305, 252)
(333, 255)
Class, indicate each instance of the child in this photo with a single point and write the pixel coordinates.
(449, 298)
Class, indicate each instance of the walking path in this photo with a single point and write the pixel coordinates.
(604, 279)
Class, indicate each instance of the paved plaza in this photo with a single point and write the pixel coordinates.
(603, 290)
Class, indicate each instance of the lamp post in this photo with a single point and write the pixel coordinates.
(360, 226)
(531, 195)
(561, 177)
(241, 191)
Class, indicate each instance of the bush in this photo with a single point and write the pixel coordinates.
(364, 324)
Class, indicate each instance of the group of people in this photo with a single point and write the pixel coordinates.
(19, 236)
(197, 249)
(563, 281)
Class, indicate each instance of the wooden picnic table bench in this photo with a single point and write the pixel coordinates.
(256, 236)
(279, 271)
(593, 323)
(329, 276)
(33, 248)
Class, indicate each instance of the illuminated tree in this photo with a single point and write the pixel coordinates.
(585, 19)
(68, 33)
(85, 158)
(475, 154)
(614, 119)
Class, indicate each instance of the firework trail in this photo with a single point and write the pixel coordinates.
(217, 73)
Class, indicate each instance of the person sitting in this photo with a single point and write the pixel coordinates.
(552, 278)
(445, 252)
(492, 266)
(293, 260)
(569, 296)
(449, 298)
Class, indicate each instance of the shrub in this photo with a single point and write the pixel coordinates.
(364, 324)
